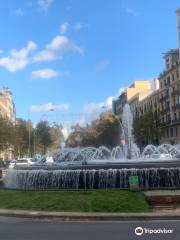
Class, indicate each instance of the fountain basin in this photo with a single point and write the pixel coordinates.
(59, 179)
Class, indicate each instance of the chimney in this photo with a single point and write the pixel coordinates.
(178, 16)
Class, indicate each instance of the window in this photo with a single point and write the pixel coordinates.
(168, 117)
(176, 131)
(171, 132)
(172, 77)
(177, 74)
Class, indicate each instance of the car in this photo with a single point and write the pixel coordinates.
(12, 163)
(161, 156)
(21, 162)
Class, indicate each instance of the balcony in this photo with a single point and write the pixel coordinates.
(171, 123)
(166, 71)
(164, 110)
(165, 124)
(175, 92)
(177, 105)
(163, 98)
(162, 74)
(175, 121)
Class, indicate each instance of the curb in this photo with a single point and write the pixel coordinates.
(76, 216)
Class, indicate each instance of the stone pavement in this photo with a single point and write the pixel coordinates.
(162, 193)
(78, 216)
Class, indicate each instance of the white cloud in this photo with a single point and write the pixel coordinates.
(17, 12)
(91, 111)
(17, 60)
(56, 49)
(102, 64)
(49, 107)
(44, 73)
(64, 27)
(79, 26)
(132, 12)
(44, 5)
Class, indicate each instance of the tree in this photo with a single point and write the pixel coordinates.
(44, 137)
(103, 131)
(107, 129)
(56, 135)
(21, 137)
(6, 133)
(147, 129)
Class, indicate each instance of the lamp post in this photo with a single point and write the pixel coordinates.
(29, 133)
(44, 115)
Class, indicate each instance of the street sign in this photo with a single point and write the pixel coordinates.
(134, 183)
(123, 141)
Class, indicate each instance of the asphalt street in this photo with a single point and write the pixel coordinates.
(29, 229)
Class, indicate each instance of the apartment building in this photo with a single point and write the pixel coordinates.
(169, 97)
(7, 110)
(141, 103)
(7, 106)
(139, 89)
(163, 99)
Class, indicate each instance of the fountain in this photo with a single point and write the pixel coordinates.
(97, 168)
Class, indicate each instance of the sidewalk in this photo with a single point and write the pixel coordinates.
(78, 216)
(175, 192)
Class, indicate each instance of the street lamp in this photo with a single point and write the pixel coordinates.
(29, 131)
(45, 114)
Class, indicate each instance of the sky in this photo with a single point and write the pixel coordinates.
(74, 56)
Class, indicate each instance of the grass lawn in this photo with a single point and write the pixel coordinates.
(90, 201)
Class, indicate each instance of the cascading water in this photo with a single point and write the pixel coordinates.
(150, 178)
(127, 129)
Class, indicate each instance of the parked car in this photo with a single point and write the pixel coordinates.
(21, 162)
(12, 163)
(161, 156)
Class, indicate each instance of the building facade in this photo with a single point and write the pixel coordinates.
(7, 110)
(7, 106)
(169, 98)
(139, 89)
(163, 100)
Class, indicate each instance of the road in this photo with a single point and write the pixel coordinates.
(29, 229)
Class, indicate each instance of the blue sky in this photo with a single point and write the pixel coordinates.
(75, 55)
